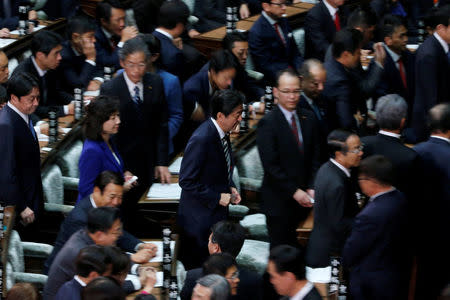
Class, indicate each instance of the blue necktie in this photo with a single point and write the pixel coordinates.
(30, 124)
(6, 9)
(137, 97)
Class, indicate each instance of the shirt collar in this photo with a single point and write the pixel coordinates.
(287, 114)
(40, 71)
(92, 201)
(75, 51)
(380, 194)
(441, 41)
(25, 117)
(394, 55)
(441, 138)
(344, 169)
(107, 33)
(269, 19)
(330, 8)
(81, 282)
(221, 132)
(131, 84)
(303, 292)
(165, 33)
(392, 134)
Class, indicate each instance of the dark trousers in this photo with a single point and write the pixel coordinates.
(192, 253)
(282, 230)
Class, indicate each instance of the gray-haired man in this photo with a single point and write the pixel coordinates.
(211, 287)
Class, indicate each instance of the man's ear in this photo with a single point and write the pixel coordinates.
(92, 275)
(216, 248)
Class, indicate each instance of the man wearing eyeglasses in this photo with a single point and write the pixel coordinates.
(143, 137)
(288, 143)
(271, 44)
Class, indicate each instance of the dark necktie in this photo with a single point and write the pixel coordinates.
(113, 42)
(337, 21)
(401, 69)
(30, 125)
(6, 9)
(280, 34)
(316, 111)
(226, 151)
(295, 130)
(137, 96)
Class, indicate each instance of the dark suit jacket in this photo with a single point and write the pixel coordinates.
(375, 249)
(56, 97)
(106, 55)
(76, 220)
(13, 21)
(95, 158)
(77, 73)
(334, 209)
(196, 89)
(143, 136)
(203, 177)
(312, 295)
(211, 14)
(20, 162)
(432, 83)
(61, 8)
(71, 290)
(172, 59)
(287, 167)
(268, 51)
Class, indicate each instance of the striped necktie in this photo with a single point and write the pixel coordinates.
(226, 151)
(30, 125)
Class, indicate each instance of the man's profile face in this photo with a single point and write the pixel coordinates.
(275, 9)
(135, 66)
(354, 153)
(27, 104)
(201, 292)
(223, 79)
(110, 237)
(111, 196)
(116, 22)
(279, 281)
(398, 40)
(313, 85)
(288, 91)
(51, 61)
(240, 50)
(230, 122)
(4, 71)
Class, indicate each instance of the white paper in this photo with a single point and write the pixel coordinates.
(174, 168)
(46, 149)
(43, 138)
(159, 253)
(159, 279)
(65, 130)
(164, 191)
(36, 28)
(6, 42)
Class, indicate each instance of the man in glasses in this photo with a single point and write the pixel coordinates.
(271, 44)
(288, 143)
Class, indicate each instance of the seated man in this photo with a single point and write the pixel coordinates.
(78, 56)
(107, 192)
(211, 287)
(103, 288)
(212, 13)
(111, 33)
(4, 73)
(9, 14)
(46, 49)
(272, 46)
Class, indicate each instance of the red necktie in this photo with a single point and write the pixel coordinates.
(337, 22)
(401, 69)
(295, 130)
(277, 29)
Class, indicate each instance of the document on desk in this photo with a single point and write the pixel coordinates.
(159, 278)
(6, 42)
(175, 167)
(159, 253)
(36, 28)
(164, 191)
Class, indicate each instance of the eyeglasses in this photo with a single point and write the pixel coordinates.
(363, 178)
(357, 150)
(132, 66)
(296, 92)
(235, 275)
(279, 4)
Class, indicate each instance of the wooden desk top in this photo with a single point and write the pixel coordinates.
(219, 33)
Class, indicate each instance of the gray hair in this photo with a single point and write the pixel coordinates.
(391, 109)
(305, 69)
(132, 46)
(220, 289)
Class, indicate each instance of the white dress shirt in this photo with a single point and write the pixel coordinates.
(131, 86)
(25, 117)
(165, 33)
(344, 169)
(219, 130)
(303, 292)
(441, 138)
(391, 134)
(288, 115)
(332, 10)
(441, 41)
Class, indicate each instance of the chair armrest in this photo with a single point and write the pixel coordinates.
(65, 209)
(30, 277)
(36, 249)
(255, 75)
(250, 184)
(70, 183)
(238, 211)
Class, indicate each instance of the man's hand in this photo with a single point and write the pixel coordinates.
(128, 185)
(198, 114)
(302, 198)
(142, 256)
(32, 15)
(4, 33)
(88, 49)
(128, 32)
(94, 85)
(193, 33)
(71, 107)
(380, 53)
(147, 276)
(244, 12)
(235, 197)
(162, 172)
(27, 215)
(178, 42)
(311, 193)
(149, 246)
(225, 199)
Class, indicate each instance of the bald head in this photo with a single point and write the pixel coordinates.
(312, 75)
(4, 72)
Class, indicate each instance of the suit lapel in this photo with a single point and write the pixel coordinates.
(219, 146)
(148, 91)
(21, 125)
(285, 127)
(109, 155)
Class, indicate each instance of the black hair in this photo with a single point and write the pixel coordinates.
(288, 259)
(44, 41)
(173, 12)
(347, 40)
(389, 24)
(218, 263)
(133, 45)
(21, 84)
(80, 24)
(103, 288)
(90, 259)
(107, 177)
(230, 236)
(98, 112)
(120, 261)
(230, 38)
(379, 168)
(102, 219)
(3, 95)
(363, 17)
(225, 101)
(336, 141)
(222, 60)
(439, 118)
(103, 9)
(438, 16)
(290, 72)
(153, 45)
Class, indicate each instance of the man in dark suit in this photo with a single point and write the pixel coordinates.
(46, 48)
(339, 88)
(206, 177)
(111, 33)
(78, 57)
(286, 268)
(103, 228)
(271, 43)
(334, 208)
(321, 24)
(143, 136)
(89, 264)
(4, 71)
(374, 251)
(432, 71)
(312, 76)
(288, 144)
(107, 192)
(434, 155)
(20, 160)
(212, 13)
(9, 14)
(227, 237)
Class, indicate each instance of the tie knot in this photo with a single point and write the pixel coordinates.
(136, 89)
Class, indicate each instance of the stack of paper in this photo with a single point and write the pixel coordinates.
(36, 28)
(159, 253)
(174, 168)
(6, 42)
(164, 191)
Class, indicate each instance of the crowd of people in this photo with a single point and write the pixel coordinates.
(359, 133)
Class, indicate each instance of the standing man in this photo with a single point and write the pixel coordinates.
(143, 136)
(334, 208)
(20, 179)
(271, 43)
(288, 144)
(206, 177)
